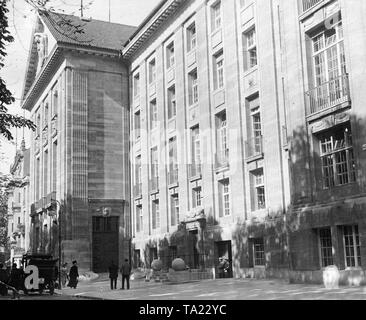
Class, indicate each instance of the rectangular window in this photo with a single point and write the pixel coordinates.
(337, 157)
(352, 247)
(138, 171)
(154, 162)
(155, 214)
(216, 16)
(136, 85)
(191, 37)
(152, 71)
(174, 207)
(219, 71)
(54, 167)
(258, 250)
(222, 140)
(170, 56)
(258, 190)
(45, 115)
(154, 169)
(55, 102)
(173, 160)
(196, 151)
(193, 87)
(139, 219)
(138, 124)
(172, 108)
(38, 178)
(153, 114)
(326, 247)
(250, 49)
(225, 197)
(45, 173)
(197, 197)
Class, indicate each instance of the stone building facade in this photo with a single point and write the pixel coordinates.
(76, 89)
(247, 129)
(19, 207)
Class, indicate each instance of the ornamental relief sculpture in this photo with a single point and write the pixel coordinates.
(41, 41)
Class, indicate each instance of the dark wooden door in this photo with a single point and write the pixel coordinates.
(223, 249)
(105, 242)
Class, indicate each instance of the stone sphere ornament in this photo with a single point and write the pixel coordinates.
(157, 265)
(178, 265)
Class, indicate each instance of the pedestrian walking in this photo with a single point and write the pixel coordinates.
(64, 275)
(3, 281)
(126, 272)
(113, 275)
(73, 275)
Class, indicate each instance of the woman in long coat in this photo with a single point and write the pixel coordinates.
(73, 275)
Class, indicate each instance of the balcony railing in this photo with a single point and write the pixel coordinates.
(137, 190)
(254, 147)
(327, 95)
(222, 159)
(306, 5)
(173, 174)
(154, 184)
(195, 170)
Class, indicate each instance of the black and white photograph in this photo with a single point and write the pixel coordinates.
(179, 155)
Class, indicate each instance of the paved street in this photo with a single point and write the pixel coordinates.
(223, 289)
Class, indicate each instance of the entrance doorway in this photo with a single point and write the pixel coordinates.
(223, 249)
(104, 242)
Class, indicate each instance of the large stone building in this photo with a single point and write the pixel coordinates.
(18, 206)
(247, 123)
(76, 89)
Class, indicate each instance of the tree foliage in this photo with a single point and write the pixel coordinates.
(3, 219)
(7, 120)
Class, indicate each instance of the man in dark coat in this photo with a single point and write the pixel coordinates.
(73, 275)
(113, 275)
(3, 281)
(16, 277)
(126, 271)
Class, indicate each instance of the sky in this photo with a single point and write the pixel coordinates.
(21, 19)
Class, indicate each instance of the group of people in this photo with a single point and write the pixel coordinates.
(11, 278)
(223, 267)
(71, 278)
(125, 271)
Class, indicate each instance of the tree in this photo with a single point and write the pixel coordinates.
(7, 120)
(3, 219)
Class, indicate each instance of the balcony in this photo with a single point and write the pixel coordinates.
(222, 159)
(195, 170)
(306, 5)
(137, 190)
(173, 174)
(154, 184)
(254, 147)
(330, 95)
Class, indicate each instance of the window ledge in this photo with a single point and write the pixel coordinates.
(250, 70)
(254, 158)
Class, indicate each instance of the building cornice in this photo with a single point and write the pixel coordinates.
(53, 61)
(158, 16)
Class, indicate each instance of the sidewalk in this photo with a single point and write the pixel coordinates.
(219, 289)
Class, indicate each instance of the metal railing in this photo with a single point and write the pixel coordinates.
(254, 147)
(173, 174)
(327, 95)
(137, 189)
(154, 183)
(308, 4)
(195, 170)
(222, 159)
